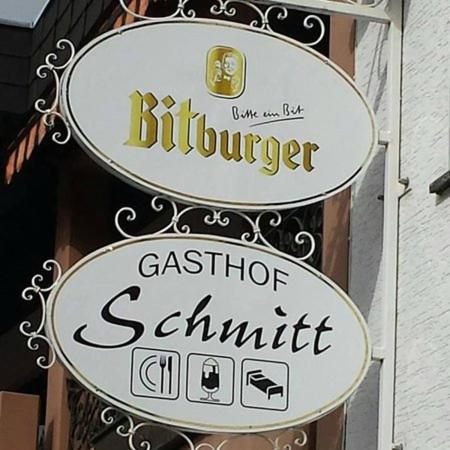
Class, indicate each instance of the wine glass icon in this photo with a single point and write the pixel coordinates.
(210, 379)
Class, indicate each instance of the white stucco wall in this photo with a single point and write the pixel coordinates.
(423, 364)
(422, 398)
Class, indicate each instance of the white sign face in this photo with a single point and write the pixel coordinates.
(208, 334)
(218, 114)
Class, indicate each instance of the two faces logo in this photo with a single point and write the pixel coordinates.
(225, 72)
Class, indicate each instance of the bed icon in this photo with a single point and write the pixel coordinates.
(264, 384)
(260, 381)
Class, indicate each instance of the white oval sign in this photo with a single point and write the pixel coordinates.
(208, 334)
(218, 114)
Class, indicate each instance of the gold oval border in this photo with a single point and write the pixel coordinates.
(51, 331)
(148, 186)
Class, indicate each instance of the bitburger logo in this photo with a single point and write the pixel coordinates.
(172, 124)
(225, 72)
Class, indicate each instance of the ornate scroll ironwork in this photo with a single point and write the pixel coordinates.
(176, 220)
(50, 112)
(227, 9)
(180, 11)
(370, 3)
(132, 431)
(36, 335)
(85, 409)
(308, 218)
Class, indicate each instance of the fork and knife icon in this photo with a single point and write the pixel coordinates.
(165, 361)
(149, 373)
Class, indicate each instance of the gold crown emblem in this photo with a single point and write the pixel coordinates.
(225, 72)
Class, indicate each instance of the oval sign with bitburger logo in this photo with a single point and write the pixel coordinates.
(218, 114)
(208, 334)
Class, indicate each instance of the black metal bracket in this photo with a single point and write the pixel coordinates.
(440, 185)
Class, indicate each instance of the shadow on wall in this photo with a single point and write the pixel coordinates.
(366, 290)
(367, 209)
(376, 83)
(366, 279)
(362, 414)
(367, 236)
(377, 35)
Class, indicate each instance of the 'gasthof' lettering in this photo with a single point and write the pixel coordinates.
(147, 129)
(194, 262)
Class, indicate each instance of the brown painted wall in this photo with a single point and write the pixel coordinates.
(19, 418)
(335, 252)
(82, 226)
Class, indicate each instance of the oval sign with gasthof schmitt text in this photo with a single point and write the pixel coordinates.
(208, 334)
(218, 114)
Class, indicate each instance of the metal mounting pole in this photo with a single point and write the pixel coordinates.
(391, 230)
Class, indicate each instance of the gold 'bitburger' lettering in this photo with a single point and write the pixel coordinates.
(145, 127)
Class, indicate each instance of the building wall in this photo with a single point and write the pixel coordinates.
(423, 370)
(422, 393)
